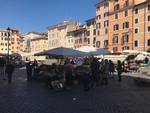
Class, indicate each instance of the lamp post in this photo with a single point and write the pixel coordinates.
(8, 38)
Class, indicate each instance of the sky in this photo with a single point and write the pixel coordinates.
(37, 15)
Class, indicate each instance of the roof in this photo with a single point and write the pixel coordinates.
(101, 3)
(91, 19)
(44, 38)
(38, 33)
(63, 24)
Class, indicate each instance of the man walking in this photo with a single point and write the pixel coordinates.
(9, 70)
(29, 71)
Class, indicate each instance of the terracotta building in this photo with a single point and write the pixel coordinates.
(121, 25)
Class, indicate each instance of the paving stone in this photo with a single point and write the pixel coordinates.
(23, 97)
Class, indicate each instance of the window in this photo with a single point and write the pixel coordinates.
(136, 30)
(5, 34)
(115, 49)
(136, 11)
(94, 40)
(148, 42)
(98, 17)
(116, 27)
(98, 44)
(135, 43)
(106, 31)
(94, 32)
(115, 39)
(125, 48)
(106, 14)
(116, 7)
(116, 16)
(105, 43)
(126, 13)
(88, 40)
(148, 6)
(106, 23)
(125, 38)
(148, 28)
(136, 20)
(98, 33)
(126, 2)
(149, 18)
(88, 33)
(125, 25)
(98, 25)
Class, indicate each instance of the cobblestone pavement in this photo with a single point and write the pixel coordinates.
(23, 97)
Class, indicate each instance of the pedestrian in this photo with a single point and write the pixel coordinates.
(95, 71)
(119, 70)
(105, 72)
(2, 68)
(69, 68)
(29, 68)
(111, 69)
(35, 66)
(87, 80)
(146, 60)
(9, 70)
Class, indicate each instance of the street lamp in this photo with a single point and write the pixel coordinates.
(8, 38)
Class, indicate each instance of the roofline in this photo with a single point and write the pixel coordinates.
(64, 23)
(101, 3)
(91, 19)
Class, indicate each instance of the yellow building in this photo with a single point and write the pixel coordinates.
(15, 42)
(83, 35)
(78, 36)
(35, 42)
(142, 25)
(91, 32)
(57, 34)
(102, 23)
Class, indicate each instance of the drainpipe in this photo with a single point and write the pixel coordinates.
(144, 27)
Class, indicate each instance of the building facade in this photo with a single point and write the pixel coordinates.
(57, 34)
(15, 41)
(78, 36)
(35, 42)
(121, 25)
(91, 32)
(102, 23)
(141, 36)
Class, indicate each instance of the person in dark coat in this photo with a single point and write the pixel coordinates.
(119, 70)
(69, 68)
(95, 71)
(2, 67)
(87, 80)
(29, 71)
(111, 69)
(9, 70)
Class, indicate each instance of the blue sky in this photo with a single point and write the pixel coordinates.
(36, 15)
